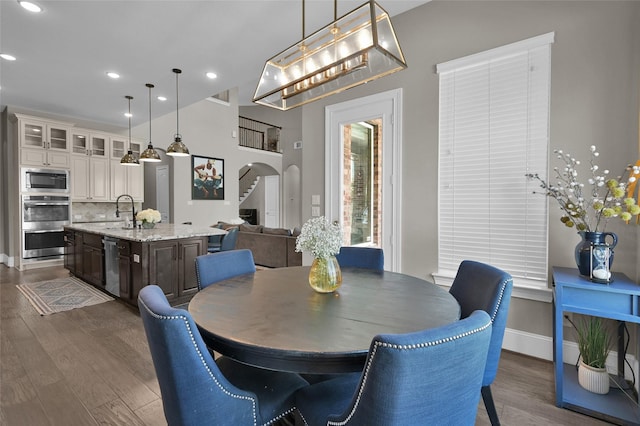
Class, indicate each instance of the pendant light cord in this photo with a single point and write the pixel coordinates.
(303, 36)
(149, 86)
(129, 97)
(177, 71)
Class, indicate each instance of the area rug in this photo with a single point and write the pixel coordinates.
(62, 294)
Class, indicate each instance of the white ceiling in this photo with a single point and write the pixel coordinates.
(64, 52)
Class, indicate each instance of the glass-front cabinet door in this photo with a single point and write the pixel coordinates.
(99, 146)
(33, 134)
(58, 138)
(79, 143)
(118, 148)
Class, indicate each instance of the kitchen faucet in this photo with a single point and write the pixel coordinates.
(133, 208)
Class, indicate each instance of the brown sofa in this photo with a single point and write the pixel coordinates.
(271, 247)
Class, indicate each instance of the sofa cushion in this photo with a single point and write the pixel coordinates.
(246, 227)
(276, 231)
(226, 225)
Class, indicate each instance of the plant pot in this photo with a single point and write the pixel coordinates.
(593, 379)
(325, 275)
(148, 225)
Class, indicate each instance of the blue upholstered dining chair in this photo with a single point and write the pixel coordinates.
(223, 242)
(196, 390)
(214, 267)
(430, 377)
(481, 286)
(361, 257)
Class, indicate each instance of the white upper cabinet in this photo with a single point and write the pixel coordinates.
(93, 158)
(44, 134)
(120, 146)
(43, 143)
(127, 180)
(85, 142)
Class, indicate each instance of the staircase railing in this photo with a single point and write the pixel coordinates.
(246, 182)
(258, 134)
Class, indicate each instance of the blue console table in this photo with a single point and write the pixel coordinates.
(619, 300)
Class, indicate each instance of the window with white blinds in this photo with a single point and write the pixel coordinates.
(494, 128)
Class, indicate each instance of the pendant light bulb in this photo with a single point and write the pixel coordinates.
(129, 159)
(150, 155)
(177, 147)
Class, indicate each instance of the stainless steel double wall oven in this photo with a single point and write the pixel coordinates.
(46, 209)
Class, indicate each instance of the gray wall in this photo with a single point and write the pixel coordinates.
(291, 132)
(291, 123)
(594, 101)
(208, 129)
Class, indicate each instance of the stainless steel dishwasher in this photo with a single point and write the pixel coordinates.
(111, 268)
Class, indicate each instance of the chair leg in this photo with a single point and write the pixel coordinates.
(490, 406)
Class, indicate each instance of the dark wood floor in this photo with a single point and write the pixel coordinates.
(92, 366)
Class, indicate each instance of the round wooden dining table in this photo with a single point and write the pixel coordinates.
(274, 320)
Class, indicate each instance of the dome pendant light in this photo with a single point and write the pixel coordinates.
(177, 148)
(150, 155)
(129, 159)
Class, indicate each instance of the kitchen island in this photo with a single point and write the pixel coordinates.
(123, 260)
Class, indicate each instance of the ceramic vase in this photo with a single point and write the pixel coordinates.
(593, 379)
(594, 255)
(325, 275)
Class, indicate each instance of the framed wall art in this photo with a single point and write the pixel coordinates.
(207, 178)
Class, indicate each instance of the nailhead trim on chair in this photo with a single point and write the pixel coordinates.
(195, 265)
(376, 345)
(193, 341)
(502, 288)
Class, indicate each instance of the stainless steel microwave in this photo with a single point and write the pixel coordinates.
(44, 180)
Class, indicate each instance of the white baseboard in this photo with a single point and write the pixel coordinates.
(539, 346)
(9, 261)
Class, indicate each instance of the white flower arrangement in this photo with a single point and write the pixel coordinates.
(149, 215)
(319, 237)
(589, 207)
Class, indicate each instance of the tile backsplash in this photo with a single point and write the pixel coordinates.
(101, 212)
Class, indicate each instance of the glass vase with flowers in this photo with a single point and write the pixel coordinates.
(149, 218)
(322, 239)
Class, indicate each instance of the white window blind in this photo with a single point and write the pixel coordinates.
(494, 128)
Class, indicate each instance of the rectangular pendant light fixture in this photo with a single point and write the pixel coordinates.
(354, 49)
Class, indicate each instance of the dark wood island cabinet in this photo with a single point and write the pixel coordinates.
(164, 256)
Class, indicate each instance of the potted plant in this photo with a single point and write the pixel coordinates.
(594, 344)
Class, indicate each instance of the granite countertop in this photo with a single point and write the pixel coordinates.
(162, 231)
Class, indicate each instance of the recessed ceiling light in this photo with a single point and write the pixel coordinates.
(128, 114)
(162, 98)
(113, 75)
(7, 57)
(211, 75)
(31, 7)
